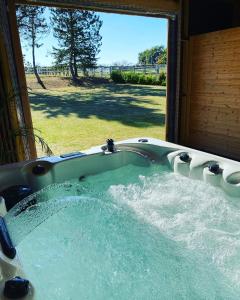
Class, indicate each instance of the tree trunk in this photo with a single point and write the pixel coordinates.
(35, 69)
(34, 62)
(74, 78)
(85, 72)
(75, 66)
(72, 65)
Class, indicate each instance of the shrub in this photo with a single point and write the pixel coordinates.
(150, 79)
(162, 79)
(141, 79)
(138, 78)
(155, 80)
(117, 76)
(130, 77)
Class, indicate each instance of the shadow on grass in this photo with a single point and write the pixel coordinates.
(131, 89)
(105, 105)
(134, 90)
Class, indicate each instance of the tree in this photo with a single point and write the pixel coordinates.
(162, 59)
(33, 26)
(154, 55)
(79, 39)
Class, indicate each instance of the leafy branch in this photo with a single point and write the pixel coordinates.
(34, 134)
(7, 153)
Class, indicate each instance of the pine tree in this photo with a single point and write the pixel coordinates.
(79, 39)
(33, 26)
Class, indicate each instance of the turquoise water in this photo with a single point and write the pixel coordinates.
(132, 233)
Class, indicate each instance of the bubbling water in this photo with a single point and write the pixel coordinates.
(196, 215)
(132, 233)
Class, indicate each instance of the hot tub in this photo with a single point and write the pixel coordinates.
(141, 219)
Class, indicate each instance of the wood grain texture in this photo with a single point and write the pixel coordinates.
(21, 77)
(214, 100)
(16, 146)
(167, 6)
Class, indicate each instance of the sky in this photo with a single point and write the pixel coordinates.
(123, 37)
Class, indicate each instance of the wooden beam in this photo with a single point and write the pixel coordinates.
(8, 108)
(8, 144)
(21, 76)
(172, 75)
(140, 7)
(11, 91)
(184, 75)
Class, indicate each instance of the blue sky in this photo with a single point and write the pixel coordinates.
(123, 37)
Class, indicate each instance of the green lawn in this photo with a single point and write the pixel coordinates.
(76, 118)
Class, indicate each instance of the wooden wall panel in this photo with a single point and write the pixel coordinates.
(214, 95)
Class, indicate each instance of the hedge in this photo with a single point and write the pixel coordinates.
(138, 78)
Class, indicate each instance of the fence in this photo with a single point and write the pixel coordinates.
(98, 71)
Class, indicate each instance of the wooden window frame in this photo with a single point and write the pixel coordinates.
(153, 8)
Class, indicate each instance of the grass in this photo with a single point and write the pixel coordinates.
(74, 118)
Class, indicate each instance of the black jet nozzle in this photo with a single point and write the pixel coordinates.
(7, 246)
(16, 288)
(184, 156)
(38, 170)
(15, 194)
(214, 168)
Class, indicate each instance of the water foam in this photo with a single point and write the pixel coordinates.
(197, 215)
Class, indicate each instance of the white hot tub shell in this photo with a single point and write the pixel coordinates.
(39, 173)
